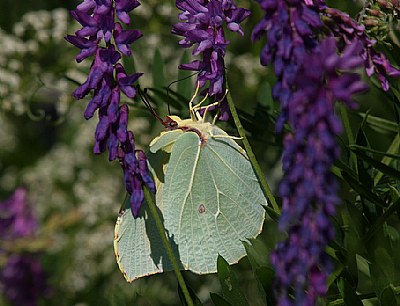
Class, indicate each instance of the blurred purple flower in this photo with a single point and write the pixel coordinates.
(22, 279)
(202, 24)
(17, 218)
(309, 189)
(107, 78)
(308, 85)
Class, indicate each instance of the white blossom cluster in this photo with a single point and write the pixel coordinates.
(26, 70)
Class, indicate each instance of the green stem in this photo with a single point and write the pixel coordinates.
(167, 245)
(250, 154)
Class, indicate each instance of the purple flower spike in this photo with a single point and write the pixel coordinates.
(202, 25)
(311, 77)
(107, 78)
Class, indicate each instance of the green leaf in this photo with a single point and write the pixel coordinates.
(362, 190)
(364, 277)
(158, 70)
(382, 272)
(266, 278)
(185, 83)
(357, 148)
(219, 300)
(229, 284)
(348, 293)
(378, 165)
(129, 64)
(379, 124)
(264, 96)
(387, 297)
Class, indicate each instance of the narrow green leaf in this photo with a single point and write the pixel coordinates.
(264, 96)
(158, 70)
(379, 124)
(348, 293)
(378, 165)
(382, 272)
(357, 148)
(129, 64)
(393, 148)
(363, 168)
(219, 300)
(362, 190)
(349, 133)
(266, 278)
(387, 297)
(364, 276)
(185, 83)
(230, 286)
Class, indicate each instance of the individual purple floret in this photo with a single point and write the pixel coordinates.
(107, 78)
(22, 279)
(202, 25)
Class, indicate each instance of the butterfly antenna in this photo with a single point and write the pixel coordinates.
(179, 80)
(144, 97)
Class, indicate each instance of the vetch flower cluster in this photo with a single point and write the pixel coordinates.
(307, 86)
(202, 24)
(309, 189)
(107, 78)
(343, 26)
(22, 279)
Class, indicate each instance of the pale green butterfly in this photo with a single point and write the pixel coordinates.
(208, 195)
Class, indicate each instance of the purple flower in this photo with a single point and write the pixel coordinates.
(107, 78)
(346, 28)
(311, 77)
(202, 25)
(17, 219)
(309, 189)
(136, 171)
(22, 279)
